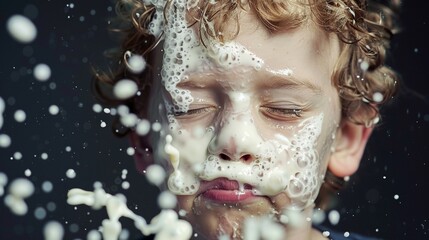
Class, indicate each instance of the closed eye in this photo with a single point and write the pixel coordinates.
(282, 113)
(195, 112)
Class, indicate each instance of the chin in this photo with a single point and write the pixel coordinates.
(212, 219)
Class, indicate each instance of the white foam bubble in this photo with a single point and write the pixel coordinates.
(21, 28)
(42, 72)
(27, 172)
(54, 109)
(53, 230)
(68, 149)
(5, 141)
(103, 124)
(396, 197)
(125, 89)
(20, 115)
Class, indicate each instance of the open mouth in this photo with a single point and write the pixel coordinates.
(223, 190)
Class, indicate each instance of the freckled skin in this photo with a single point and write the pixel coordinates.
(237, 104)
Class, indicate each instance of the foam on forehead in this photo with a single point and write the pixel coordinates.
(185, 53)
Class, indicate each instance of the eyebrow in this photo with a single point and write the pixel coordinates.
(276, 81)
(196, 82)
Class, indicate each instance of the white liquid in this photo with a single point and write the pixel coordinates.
(125, 89)
(165, 225)
(42, 72)
(21, 28)
(54, 109)
(19, 189)
(20, 116)
(2, 107)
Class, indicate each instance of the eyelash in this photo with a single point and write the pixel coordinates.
(194, 111)
(283, 112)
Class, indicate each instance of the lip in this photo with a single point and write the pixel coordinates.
(223, 190)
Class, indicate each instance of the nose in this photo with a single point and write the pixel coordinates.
(236, 140)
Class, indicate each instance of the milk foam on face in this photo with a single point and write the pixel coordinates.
(283, 163)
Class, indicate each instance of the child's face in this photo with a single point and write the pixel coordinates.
(253, 121)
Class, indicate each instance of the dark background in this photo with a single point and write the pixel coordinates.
(70, 40)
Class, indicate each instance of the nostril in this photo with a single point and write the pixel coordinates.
(223, 156)
(246, 157)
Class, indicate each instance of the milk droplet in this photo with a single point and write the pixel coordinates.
(5, 141)
(53, 230)
(27, 172)
(2, 106)
(156, 126)
(42, 72)
(396, 197)
(103, 124)
(44, 156)
(21, 29)
(125, 185)
(346, 234)
(155, 174)
(70, 173)
(131, 151)
(136, 64)
(17, 156)
(167, 200)
(334, 217)
(3, 182)
(68, 149)
(20, 116)
(364, 65)
(326, 233)
(47, 186)
(318, 216)
(125, 89)
(21, 188)
(40, 213)
(93, 235)
(143, 127)
(97, 108)
(377, 97)
(54, 110)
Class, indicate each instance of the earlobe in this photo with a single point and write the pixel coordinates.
(143, 156)
(348, 149)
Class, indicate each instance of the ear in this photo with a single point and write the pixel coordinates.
(143, 156)
(348, 148)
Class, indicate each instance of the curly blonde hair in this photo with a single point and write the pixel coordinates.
(364, 28)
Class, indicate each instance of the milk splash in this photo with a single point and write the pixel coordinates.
(183, 50)
(165, 225)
